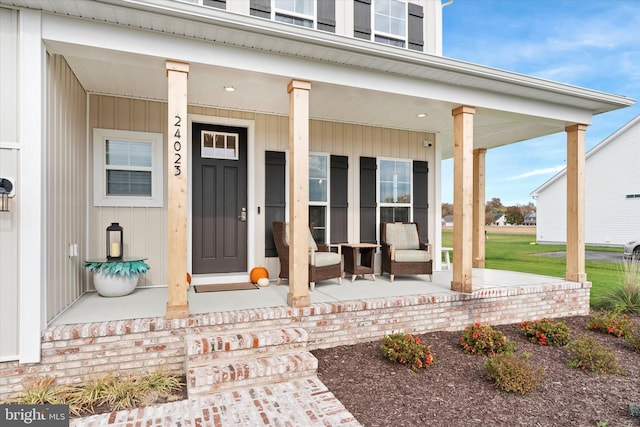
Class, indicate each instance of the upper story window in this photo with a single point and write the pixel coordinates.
(297, 12)
(127, 168)
(390, 22)
(394, 22)
(316, 14)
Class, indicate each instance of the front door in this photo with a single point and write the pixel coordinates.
(219, 199)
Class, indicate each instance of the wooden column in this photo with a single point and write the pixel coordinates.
(575, 203)
(462, 198)
(177, 74)
(478, 207)
(298, 295)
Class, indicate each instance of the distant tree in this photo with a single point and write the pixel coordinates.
(527, 209)
(513, 215)
(447, 209)
(494, 206)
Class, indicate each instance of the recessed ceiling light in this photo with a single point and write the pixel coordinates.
(421, 115)
(229, 89)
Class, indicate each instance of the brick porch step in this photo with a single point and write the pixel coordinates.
(232, 360)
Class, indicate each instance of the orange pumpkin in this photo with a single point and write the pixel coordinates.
(258, 273)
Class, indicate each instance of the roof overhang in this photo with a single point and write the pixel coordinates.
(119, 47)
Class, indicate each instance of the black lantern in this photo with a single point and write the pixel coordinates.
(115, 244)
(6, 187)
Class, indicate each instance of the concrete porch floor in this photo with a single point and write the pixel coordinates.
(151, 302)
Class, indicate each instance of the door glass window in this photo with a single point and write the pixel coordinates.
(219, 145)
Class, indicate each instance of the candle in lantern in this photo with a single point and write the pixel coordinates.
(115, 250)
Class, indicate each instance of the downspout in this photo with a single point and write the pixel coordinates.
(449, 3)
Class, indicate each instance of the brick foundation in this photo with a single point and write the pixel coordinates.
(74, 353)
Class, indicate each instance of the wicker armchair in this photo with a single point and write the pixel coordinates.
(402, 251)
(323, 264)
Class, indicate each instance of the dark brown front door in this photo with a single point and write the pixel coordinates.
(219, 199)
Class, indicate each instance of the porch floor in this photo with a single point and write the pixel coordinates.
(151, 302)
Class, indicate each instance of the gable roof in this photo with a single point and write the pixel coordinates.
(631, 124)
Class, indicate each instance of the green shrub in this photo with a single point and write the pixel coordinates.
(483, 339)
(634, 410)
(406, 349)
(588, 354)
(610, 322)
(633, 338)
(546, 332)
(513, 373)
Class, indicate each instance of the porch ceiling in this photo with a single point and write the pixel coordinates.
(352, 80)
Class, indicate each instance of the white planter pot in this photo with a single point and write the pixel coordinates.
(114, 285)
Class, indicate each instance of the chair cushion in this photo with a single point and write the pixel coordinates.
(412, 255)
(312, 242)
(324, 259)
(402, 236)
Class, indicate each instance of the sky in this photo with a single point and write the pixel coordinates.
(593, 44)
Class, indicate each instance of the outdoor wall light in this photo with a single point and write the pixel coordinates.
(6, 191)
(115, 241)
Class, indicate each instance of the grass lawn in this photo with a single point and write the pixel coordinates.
(515, 252)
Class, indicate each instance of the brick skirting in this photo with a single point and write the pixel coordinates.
(74, 353)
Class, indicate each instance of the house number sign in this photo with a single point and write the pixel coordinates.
(177, 146)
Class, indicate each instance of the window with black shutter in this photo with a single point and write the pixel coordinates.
(220, 4)
(368, 205)
(274, 197)
(392, 22)
(339, 232)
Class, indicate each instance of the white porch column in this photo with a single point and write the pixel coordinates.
(29, 193)
(575, 203)
(462, 198)
(478, 207)
(298, 295)
(177, 74)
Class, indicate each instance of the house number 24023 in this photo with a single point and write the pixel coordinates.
(177, 146)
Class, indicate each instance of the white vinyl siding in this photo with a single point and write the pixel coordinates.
(611, 172)
(65, 186)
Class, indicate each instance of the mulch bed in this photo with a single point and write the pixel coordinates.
(455, 391)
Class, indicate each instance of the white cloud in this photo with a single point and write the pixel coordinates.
(536, 172)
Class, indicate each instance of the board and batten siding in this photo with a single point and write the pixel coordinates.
(65, 154)
(9, 160)
(145, 229)
(611, 173)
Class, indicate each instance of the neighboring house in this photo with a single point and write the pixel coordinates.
(192, 124)
(530, 218)
(612, 193)
(500, 220)
(448, 220)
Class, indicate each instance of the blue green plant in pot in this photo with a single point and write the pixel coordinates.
(114, 279)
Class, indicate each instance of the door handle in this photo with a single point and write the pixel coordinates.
(243, 215)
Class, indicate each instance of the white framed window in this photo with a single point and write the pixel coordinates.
(127, 168)
(395, 186)
(319, 196)
(296, 12)
(390, 22)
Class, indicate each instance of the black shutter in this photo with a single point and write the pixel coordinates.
(362, 19)
(220, 4)
(327, 15)
(274, 197)
(368, 202)
(260, 8)
(416, 37)
(421, 197)
(339, 199)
